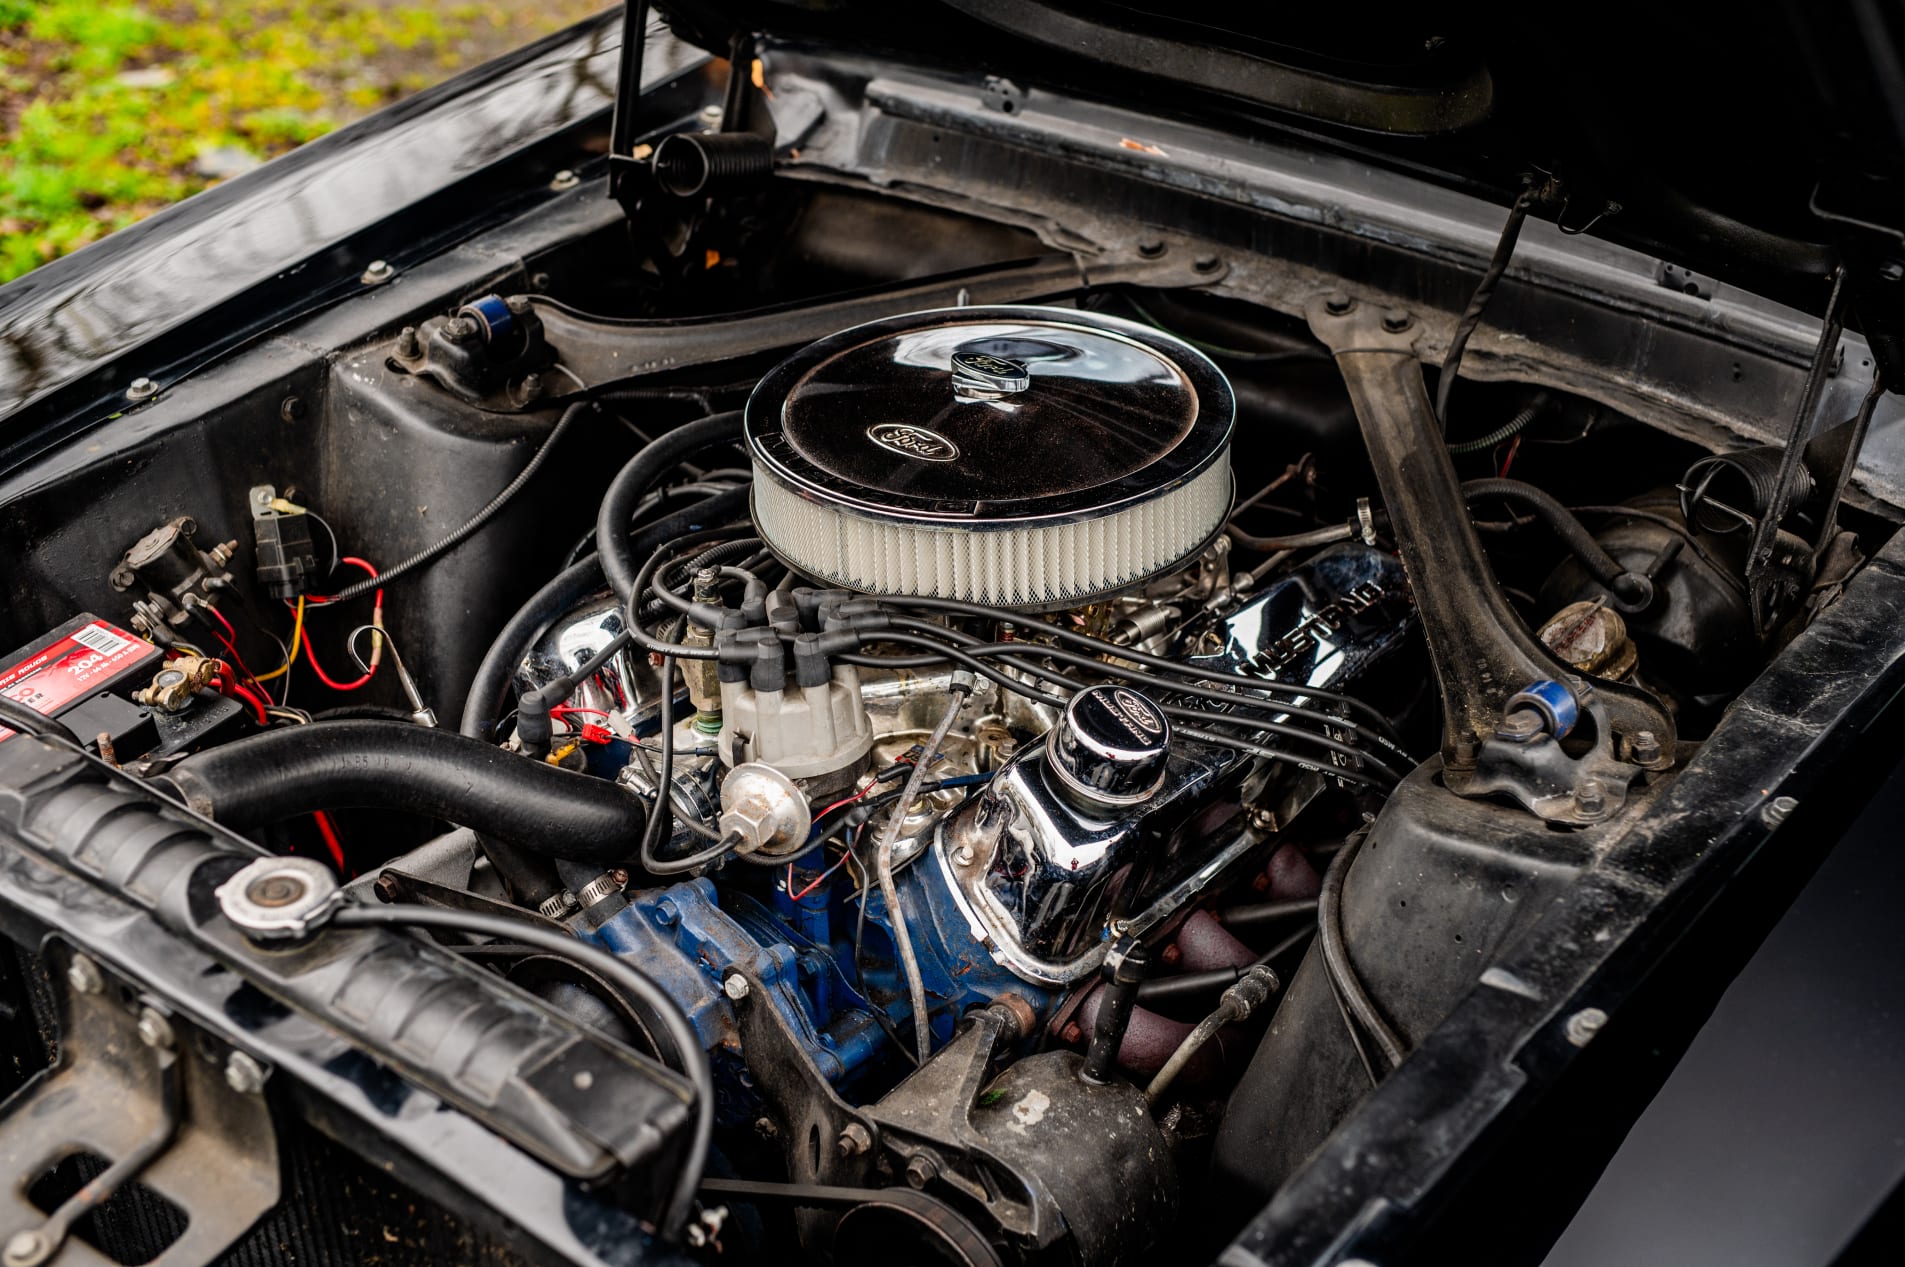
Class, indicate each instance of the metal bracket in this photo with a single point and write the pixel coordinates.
(826, 1141)
(1483, 654)
(929, 1116)
(173, 1111)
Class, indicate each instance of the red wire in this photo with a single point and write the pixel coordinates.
(250, 697)
(236, 658)
(845, 800)
(1510, 459)
(819, 879)
(328, 830)
(354, 562)
(219, 617)
(310, 656)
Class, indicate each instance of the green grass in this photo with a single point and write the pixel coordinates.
(106, 109)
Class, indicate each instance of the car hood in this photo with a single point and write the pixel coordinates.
(1761, 143)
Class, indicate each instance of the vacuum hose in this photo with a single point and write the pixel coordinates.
(412, 770)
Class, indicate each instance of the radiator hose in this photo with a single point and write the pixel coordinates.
(412, 770)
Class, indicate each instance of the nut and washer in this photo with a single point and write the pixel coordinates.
(1584, 1025)
(142, 389)
(83, 976)
(920, 1170)
(377, 273)
(154, 1029)
(243, 1074)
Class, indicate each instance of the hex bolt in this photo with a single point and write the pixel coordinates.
(1207, 264)
(1777, 809)
(388, 888)
(710, 118)
(83, 976)
(243, 1074)
(1072, 1033)
(564, 179)
(920, 1170)
(735, 987)
(154, 1030)
(1589, 798)
(666, 913)
(1338, 304)
(1646, 747)
(1151, 248)
(1584, 1025)
(407, 345)
(853, 1141)
(1395, 321)
(1520, 726)
(767, 1128)
(142, 389)
(377, 273)
(459, 329)
(517, 304)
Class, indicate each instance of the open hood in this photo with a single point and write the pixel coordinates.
(1761, 143)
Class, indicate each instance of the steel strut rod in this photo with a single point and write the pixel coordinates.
(1507, 700)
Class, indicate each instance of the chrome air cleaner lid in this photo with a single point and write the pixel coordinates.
(1019, 456)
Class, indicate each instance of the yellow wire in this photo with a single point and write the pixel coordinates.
(297, 632)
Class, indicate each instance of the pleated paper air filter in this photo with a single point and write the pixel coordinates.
(1013, 456)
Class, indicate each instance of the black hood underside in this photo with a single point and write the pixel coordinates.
(1762, 143)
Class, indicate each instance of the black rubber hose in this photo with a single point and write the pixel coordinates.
(1631, 590)
(27, 721)
(493, 676)
(1358, 1007)
(363, 712)
(619, 555)
(490, 687)
(414, 770)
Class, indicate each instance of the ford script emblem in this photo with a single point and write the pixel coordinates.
(914, 442)
(1138, 713)
(979, 375)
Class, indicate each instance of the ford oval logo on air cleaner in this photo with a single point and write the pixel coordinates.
(914, 442)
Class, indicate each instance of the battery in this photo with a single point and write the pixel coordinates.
(74, 665)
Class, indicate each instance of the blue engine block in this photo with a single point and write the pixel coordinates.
(686, 935)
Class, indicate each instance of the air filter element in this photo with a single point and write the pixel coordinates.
(1014, 456)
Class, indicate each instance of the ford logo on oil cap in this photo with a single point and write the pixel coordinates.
(978, 375)
(1109, 747)
(913, 442)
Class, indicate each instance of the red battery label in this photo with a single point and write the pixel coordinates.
(75, 666)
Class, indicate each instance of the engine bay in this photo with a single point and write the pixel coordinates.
(1058, 739)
